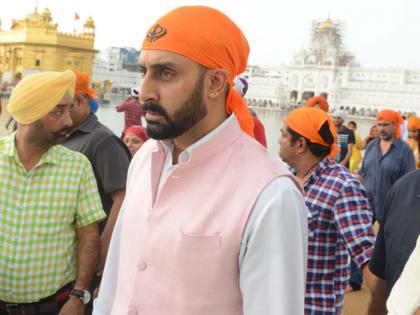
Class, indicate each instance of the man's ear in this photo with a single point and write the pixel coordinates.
(80, 100)
(77, 100)
(302, 145)
(217, 80)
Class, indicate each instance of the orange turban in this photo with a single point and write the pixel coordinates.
(211, 39)
(82, 84)
(392, 116)
(413, 122)
(318, 100)
(307, 121)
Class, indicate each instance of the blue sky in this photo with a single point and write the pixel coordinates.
(381, 33)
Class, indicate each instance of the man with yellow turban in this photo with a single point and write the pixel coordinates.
(49, 205)
(211, 224)
(340, 220)
(386, 160)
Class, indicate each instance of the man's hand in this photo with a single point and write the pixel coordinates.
(74, 306)
(370, 278)
(378, 303)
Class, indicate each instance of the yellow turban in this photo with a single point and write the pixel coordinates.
(38, 94)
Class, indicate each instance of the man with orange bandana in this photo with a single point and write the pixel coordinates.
(413, 140)
(211, 224)
(340, 220)
(106, 152)
(386, 160)
(318, 102)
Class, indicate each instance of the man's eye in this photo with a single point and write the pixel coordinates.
(142, 72)
(166, 73)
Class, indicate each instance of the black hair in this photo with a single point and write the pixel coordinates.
(353, 122)
(316, 149)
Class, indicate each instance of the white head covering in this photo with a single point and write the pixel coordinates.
(134, 92)
(340, 113)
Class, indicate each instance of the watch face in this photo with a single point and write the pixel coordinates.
(83, 295)
(86, 297)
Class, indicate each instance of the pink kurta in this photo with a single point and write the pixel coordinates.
(179, 247)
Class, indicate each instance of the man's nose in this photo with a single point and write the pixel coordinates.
(148, 90)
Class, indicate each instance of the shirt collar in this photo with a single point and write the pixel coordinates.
(323, 164)
(49, 157)
(9, 145)
(88, 124)
(396, 143)
(168, 145)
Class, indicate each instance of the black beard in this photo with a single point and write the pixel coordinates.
(385, 136)
(187, 116)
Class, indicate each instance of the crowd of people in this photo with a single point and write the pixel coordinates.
(191, 214)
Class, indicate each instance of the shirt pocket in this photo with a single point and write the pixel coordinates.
(197, 264)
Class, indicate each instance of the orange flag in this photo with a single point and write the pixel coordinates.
(76, 16)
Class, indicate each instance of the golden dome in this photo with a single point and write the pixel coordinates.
(325, 25)
(328, 22)
(90, 22)
(46, 13)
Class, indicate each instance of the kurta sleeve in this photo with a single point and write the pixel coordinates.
(405, 295)
(274, 252)
(105, 300)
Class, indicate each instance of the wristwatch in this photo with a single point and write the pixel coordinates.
(83, 295)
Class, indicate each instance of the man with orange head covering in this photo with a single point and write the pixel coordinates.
(106, 152)
(413, 140)
(318, 102)
(340, 220)
(386, 160)
(211, 224)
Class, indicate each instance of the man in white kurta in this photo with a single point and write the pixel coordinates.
(211, 223)
(405, 295)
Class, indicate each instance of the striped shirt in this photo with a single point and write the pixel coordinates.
(40, 211)
(340, 226)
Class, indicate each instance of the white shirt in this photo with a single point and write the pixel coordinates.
(405, 295)
(273, 251)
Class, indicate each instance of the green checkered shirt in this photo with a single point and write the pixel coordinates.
(40, 211)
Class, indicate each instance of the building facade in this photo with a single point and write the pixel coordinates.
(328, 69)
(34, 44)
(116, 70)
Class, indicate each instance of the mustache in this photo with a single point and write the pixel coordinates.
(155, 107)
(62, 132)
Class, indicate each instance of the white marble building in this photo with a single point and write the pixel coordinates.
(327, 68)
(108, 67)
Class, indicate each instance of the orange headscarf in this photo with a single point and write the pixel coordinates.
(318, 100)
(211, 39)
(82, 84)
(413, 122)
(307, 121)
(392, 116)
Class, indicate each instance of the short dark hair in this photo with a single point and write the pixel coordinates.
(352, 122)
(316, 149)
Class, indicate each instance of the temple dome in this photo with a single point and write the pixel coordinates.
(90, 22)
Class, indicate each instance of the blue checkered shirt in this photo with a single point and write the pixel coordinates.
(340, 227)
